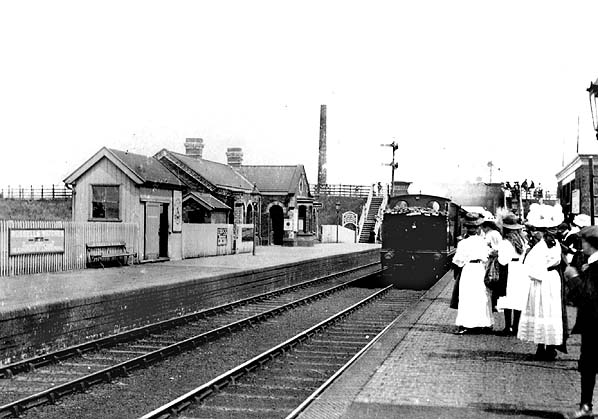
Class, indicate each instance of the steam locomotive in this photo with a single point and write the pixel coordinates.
(419, 236)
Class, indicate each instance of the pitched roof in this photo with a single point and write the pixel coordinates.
(207, 200)
(219, 174)
(281, 179)
(147, 168)
(140, 169)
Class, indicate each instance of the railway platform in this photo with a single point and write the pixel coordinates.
(420, 368)
(46, 311)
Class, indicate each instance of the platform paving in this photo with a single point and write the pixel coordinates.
(421, 369)
(27, 291)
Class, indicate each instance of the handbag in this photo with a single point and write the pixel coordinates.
(492, 275)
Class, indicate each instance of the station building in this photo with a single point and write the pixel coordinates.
(573, 185)
(162, 193)
(280, 195)
(286, 203)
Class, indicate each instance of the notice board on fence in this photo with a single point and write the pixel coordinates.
(27, 241)
(222, 235)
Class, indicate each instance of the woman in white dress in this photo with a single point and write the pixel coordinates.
(510, 254)
(475, 309)
(541, 322)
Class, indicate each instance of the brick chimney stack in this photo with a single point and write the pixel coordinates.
(194, 147)
(234, 156)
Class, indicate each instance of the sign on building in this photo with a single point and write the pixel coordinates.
(288, 224)
(575, 201)
(34, 241)
(247, 234)
(177, 211)
(349, 217)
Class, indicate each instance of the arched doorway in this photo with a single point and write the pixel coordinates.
(277, 223)
(249, 216)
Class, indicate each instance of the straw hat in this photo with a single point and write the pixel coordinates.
(472, 219)
(582, 220)
(511, 222)
(545, 216)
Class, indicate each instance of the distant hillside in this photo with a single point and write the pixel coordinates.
(22, 209)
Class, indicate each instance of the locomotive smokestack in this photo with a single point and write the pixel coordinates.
(322, 149)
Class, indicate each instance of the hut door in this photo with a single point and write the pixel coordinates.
(152, 230)
(163, 230)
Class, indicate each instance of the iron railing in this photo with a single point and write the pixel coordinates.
(36, 192)
(359, 191)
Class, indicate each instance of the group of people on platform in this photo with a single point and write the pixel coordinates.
(530, 272)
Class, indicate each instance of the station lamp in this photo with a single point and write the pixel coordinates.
(338, 208)
(593, 91)
(255, 196)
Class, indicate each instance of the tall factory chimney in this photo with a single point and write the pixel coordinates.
(322, 149)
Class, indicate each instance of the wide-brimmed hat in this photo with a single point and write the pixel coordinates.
(590, 233)
(472, 219)
(545, 216)
(511, 222)
(582, 220)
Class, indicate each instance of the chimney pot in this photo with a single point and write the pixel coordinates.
(234, 156)
(194, 147)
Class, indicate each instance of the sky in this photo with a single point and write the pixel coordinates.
(456, 84)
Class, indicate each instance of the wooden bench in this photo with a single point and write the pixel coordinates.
(98, 253)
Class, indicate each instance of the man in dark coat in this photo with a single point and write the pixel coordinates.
(583, 293)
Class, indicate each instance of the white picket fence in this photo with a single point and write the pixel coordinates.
(76, 235)
(215, 239)
(345, 235)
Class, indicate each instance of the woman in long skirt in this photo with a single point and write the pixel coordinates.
(541, 322)
(510, 254)
(475, 309)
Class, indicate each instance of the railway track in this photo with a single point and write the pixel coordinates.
(46, 379)
(278, 382)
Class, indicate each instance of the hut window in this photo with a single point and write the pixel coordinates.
(105, 202)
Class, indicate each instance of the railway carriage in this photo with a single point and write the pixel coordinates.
(419, 236)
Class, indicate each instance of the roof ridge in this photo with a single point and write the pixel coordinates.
(270, 165)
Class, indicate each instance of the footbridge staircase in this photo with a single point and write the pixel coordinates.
(371, 217)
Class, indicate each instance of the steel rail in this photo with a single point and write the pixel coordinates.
(29, 364)
(174, 407)
(312, 397)
(81, 384)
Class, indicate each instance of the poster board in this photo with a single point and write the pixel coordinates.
(575, 201)
(222, 236)
(27, 241)
(177, 211)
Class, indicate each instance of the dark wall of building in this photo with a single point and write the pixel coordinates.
(327, 214)
(48, 210)
(581, 182)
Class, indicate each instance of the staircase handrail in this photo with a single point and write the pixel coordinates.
(364, 210)
(380, 215)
